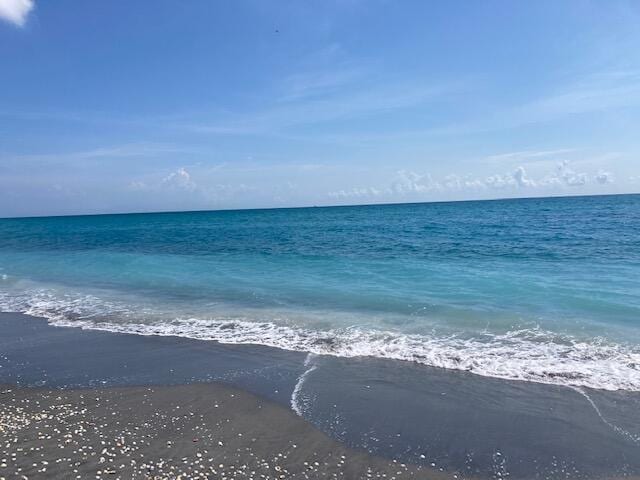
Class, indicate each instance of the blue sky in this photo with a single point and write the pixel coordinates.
(171, 105)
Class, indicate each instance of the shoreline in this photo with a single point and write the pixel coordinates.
(464, 424)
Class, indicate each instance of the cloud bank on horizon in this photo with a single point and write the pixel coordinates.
(119, 106)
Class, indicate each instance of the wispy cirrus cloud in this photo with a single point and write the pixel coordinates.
(311, 104)
(318, 83)
(598, 92)
(121, 151)
(529, 155)
(73, 158)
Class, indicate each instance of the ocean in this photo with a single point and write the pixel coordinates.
(533, 290)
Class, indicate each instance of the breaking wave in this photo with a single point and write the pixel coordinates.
(533, 355)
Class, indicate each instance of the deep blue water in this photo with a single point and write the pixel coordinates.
(543, 290)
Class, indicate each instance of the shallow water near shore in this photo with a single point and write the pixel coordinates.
(487, 339)
(464, 424)
(537, 290)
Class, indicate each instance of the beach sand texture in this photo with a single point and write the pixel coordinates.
(192, 431)
(88, 391)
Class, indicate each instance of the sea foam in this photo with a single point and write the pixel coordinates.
(533, 355)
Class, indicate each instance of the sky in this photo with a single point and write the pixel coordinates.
(159, 105)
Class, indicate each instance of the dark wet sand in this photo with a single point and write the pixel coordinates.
(463, 423)
(188, 431)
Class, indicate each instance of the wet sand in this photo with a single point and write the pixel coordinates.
(464, 424)
(187, 431)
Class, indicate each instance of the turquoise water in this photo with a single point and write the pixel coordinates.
(544, 290)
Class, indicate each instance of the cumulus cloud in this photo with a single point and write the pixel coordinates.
(499, 181)
(411, 184)
(520, 176)
(603, 177)
(570, 178)
(179, 180)
(16, 11)
(408, 182)
(178, 189)
(563, 176)
(357, 192)
(405, 182)
(516, 179)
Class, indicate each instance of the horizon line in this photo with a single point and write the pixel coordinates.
(301, 207)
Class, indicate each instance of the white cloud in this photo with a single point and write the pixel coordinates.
(570, 178)
(586, 95)
(417, 186)
(180, 180)
(98, 156)
(528, 156)
(179, 185)
(516, 179)
(520, 176)
(499, 181)
(336, 104)
(604, 178)
(316, 83)
(405, 183)
(15, 11)
(408, 182)
(357, 192)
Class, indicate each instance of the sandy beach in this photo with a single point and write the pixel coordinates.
(78, 402)
(336, 239)
(191, 431)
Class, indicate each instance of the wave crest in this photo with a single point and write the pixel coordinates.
(531, 355)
